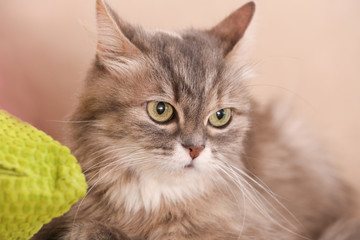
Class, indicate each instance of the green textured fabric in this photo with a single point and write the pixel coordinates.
(39, 179)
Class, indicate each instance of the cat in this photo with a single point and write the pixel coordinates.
(173, 146)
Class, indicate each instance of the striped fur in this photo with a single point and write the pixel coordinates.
(257, 178)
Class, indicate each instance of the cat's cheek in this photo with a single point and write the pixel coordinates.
(204, 162)
(180, 159)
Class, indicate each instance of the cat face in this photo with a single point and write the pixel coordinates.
(166, 105)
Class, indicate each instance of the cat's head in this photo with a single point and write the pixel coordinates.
(164, 104)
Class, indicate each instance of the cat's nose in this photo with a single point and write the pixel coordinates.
(194, 151)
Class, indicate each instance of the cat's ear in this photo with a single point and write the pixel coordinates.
(230, 30)
(112, 44)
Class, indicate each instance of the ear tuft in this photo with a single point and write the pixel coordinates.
(112, 43)
(230, 30)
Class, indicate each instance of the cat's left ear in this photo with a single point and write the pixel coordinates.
(230, 30)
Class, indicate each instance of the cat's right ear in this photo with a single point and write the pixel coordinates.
(113, 47)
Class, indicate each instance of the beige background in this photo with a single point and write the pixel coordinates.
(305, 52)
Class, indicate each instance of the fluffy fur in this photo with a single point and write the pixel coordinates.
(260, 177)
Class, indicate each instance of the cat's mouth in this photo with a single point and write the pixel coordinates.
(189, 166)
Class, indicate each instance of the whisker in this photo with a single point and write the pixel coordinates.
(122, 161)
(114, 149)
(258, 193)
(257, 199)
(70, 121)
(101, 153)
(269, 192)
(243, 198)
(92, 187)
(87, 193)
(237, 180)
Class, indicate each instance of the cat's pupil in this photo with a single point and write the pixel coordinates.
(160, 108)
(220, 114)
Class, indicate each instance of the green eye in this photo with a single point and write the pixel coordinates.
(160, 112)
(220, 118)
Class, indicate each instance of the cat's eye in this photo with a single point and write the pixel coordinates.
(160, 112)
(221, 118)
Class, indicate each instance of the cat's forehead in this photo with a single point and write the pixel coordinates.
(192, 52)
(189, 61)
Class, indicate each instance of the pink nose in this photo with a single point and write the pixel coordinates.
(194, 151)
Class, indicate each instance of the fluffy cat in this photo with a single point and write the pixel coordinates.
(173, 147)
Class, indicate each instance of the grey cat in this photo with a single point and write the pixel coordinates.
(173, 146)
